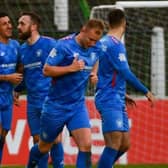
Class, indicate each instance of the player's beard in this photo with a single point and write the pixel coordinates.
(24, 35)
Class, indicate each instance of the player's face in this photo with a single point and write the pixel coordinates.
(90, 37)
(5, 27)
(24, 27)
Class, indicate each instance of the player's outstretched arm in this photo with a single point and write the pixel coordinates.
(130, 101)
(150, 98)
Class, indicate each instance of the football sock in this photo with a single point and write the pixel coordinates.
(34, 157)
(120, 153)
(43, 162)
(84, 160)
(107, 158)
(57, 155)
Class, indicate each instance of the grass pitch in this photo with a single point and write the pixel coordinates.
(116, 166)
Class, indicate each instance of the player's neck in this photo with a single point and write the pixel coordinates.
(117, 33)
(34, 37)
(4, 40)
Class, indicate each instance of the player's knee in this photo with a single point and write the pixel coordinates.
(85, 146)
(58, 139)
(124, 147)
(44, 147)
(2, 142)
(35, 139)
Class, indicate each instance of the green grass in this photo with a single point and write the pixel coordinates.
(117, 166)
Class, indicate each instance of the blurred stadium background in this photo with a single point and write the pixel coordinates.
(149, 126)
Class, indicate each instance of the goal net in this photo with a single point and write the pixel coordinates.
(146, 40)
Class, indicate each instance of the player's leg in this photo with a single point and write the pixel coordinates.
(112, 146)
(112, 126)
(80, 130)
(33, 118)
(125, 142)
(5, 125)
(3, 134)
(82, 138)
(57, 153)
(51, 124)
(37, 152)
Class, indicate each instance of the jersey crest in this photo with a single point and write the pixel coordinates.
(39, 52)
(53, 53)
(122, 57)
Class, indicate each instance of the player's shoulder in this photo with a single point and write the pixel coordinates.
(47, 39)
(64, 42)
(68, 37)
(111, 42)
(23, 45)
(14, 42)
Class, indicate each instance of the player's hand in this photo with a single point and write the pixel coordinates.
(14, 78)
(93, 78)
(77, 65)
(16, 98)
(150, 98)
(130, 101)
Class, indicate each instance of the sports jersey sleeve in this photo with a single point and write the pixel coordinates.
(119, 61)
(56, 55)
(51, 43)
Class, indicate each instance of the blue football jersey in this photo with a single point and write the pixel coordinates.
(114, 72)
(69, 89)
(33, 58)
(8, 62)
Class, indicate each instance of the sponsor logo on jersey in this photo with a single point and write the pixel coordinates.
(11, 65)
(122, 57)
(53, 53)
(88, 68)
(33, 65)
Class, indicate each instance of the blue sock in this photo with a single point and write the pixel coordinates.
(84, 160)
(34, 157)
(2, 141)
(107, 158)
(57, 155)
(120, 153)
(43, 162)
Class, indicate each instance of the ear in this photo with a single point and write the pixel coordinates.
(34, 27)
(83, 29)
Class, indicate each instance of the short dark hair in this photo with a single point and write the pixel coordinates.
(3, 14)
(34, 17)
(116, 17)
(95, 23)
